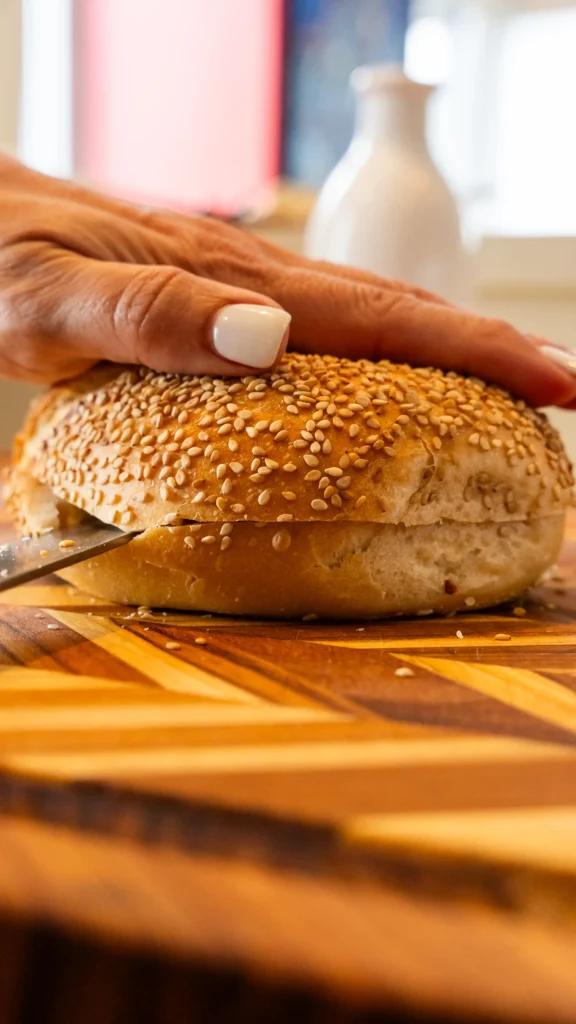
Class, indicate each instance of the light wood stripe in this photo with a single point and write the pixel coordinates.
(47, 718)
(543, 837)
(167, 671)
(294, 758)
(25, 680)
(451, 640)
(518, 687)
(214, 621)
(50, 596)
(198, 621)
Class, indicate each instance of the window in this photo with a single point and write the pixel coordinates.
(501, 124)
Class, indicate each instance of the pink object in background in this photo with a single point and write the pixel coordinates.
(179, 101)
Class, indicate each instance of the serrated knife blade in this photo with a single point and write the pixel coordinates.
(33, 557)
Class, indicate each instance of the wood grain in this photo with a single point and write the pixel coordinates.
(275, 824)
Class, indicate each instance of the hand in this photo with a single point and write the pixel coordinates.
(84, 278)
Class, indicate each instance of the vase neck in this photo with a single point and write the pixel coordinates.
(390, 108)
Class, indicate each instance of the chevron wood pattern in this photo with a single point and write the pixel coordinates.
(265, 798)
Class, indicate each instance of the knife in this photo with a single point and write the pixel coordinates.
(33, 557)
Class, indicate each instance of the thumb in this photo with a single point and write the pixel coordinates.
(170, 320)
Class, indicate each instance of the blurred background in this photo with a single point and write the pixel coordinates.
(242, 107)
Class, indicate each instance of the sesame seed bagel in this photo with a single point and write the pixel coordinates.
(319, 444)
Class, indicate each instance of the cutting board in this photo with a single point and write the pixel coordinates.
(216, 819)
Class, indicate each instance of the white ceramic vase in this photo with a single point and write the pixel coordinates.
(385, 207)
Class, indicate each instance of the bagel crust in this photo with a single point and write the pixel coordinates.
(378, 462)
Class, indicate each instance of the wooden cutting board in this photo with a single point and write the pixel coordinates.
(213, 819)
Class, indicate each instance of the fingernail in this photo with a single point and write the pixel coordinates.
(567, 360)
(250, 335)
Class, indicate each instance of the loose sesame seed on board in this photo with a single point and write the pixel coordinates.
(321, 429)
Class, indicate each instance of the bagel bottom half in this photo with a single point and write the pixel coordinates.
(332, 570)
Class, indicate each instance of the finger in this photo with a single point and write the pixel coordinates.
(158, 316)
(249, 255)
(359, 321)
(345, 273)
(560, 356)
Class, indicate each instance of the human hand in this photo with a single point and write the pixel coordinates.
(85, 278)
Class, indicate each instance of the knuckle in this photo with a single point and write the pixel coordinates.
(150, 299)
(17, 311)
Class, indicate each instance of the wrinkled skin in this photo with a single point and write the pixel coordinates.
(85, 278)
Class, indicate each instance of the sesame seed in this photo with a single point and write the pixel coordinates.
(208, 539)
(190, 541)
(459, 634)
(281, 541)
(264, 497)
(318, 505)
(66, 544)
(311, 460)
(200, 641)
(289, 495)
(172, 646)
(502, 636)
(289, 467)
(404, 672)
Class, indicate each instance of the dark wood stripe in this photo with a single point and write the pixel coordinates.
(334, 794)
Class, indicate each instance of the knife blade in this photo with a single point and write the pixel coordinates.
(32, 557)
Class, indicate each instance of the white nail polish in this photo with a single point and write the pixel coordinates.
(250, 335)
(567, 360)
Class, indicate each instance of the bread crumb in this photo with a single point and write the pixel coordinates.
(66, 544)
(4, 572)
(459, 634)
(502, 636)
(519, 612)
(44, 553)
(405, 671)
(470, 602)
(172, 646)
(200, 640)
